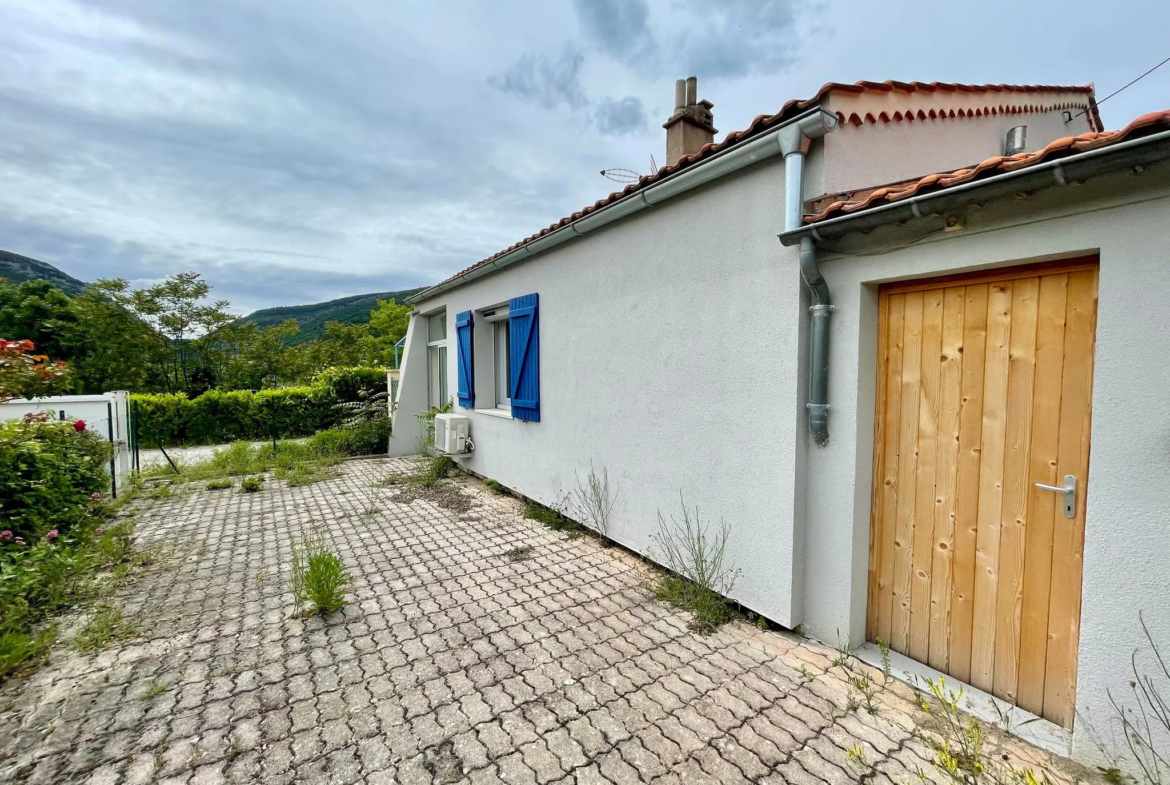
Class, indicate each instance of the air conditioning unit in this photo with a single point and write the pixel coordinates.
(452, 433)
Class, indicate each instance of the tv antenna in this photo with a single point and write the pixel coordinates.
(620, 175)
(653, 165)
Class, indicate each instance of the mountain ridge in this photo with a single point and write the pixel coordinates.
(311, 318)
(15, 269)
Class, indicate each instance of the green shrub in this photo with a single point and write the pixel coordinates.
(40, 579)
(345, 385)
(48, 471)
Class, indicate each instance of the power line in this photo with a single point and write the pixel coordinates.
(1131, 84)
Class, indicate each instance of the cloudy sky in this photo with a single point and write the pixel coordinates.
(300, 150)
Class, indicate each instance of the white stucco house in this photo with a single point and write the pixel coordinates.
(865, 369)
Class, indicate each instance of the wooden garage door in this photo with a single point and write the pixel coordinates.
(984, 390)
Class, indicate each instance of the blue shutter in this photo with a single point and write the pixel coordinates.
(524, 339)
(463, 349)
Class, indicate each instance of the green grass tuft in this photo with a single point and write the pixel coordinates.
(434, 469)
(21, 652)
(495, 487)
(218, 485)
(251, 484)
(709, 609)
(319, 579)
(551, 519)
(105, 626)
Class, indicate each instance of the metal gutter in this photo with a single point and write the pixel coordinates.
(739, 156)
(1060, 171)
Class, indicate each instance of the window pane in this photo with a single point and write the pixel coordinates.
(437, 327)
(433, 375)
(503, 365)
(442, 377)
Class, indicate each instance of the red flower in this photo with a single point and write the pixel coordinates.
(5, 535)
(79, 426)
(52, 535)
(95, 497)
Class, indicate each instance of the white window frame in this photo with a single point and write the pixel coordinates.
(438, 387)
(501, 364)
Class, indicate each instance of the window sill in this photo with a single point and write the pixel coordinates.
(501, 413)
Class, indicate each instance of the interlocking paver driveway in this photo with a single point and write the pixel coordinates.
(451, 663)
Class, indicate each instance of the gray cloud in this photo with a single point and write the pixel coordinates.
(617, 27)
(619, 117)
(546, 81)
(740, 37)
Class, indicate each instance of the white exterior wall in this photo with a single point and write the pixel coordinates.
(667, 347)
(1127, 538)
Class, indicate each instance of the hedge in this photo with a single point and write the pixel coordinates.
(218, 417)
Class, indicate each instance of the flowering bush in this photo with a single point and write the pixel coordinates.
(27, 375)
(48, 472)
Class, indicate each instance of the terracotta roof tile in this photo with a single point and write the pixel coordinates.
(764, 122)
(1069, 145)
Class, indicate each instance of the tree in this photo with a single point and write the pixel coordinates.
(248, 357)
(388, 323)
(181, 322)
(108, 347)
(36, 311)
(27, 375)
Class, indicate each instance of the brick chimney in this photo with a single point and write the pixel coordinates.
(691, 126)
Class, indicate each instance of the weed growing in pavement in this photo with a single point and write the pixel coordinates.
(371, 508)
(700, 576)
(495, 487)
(154, 688)
(307, 473)
(592, 501)
(105, 625)
(433, 469)
(884, 650)
(218, 485)
(862, 690)
(251, 484)
(864, 686)
(551, 519)
(958, 748)
(164, 491)
(805, 673)
(319, 579)
(844, 658)
(858, 764)
(519, 553)
(430, 470)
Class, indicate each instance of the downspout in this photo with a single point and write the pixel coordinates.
(794, 143)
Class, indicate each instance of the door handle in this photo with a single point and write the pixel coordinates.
(1069, 490)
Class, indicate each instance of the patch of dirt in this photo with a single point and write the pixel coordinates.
(445, 494)
(442, 762)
